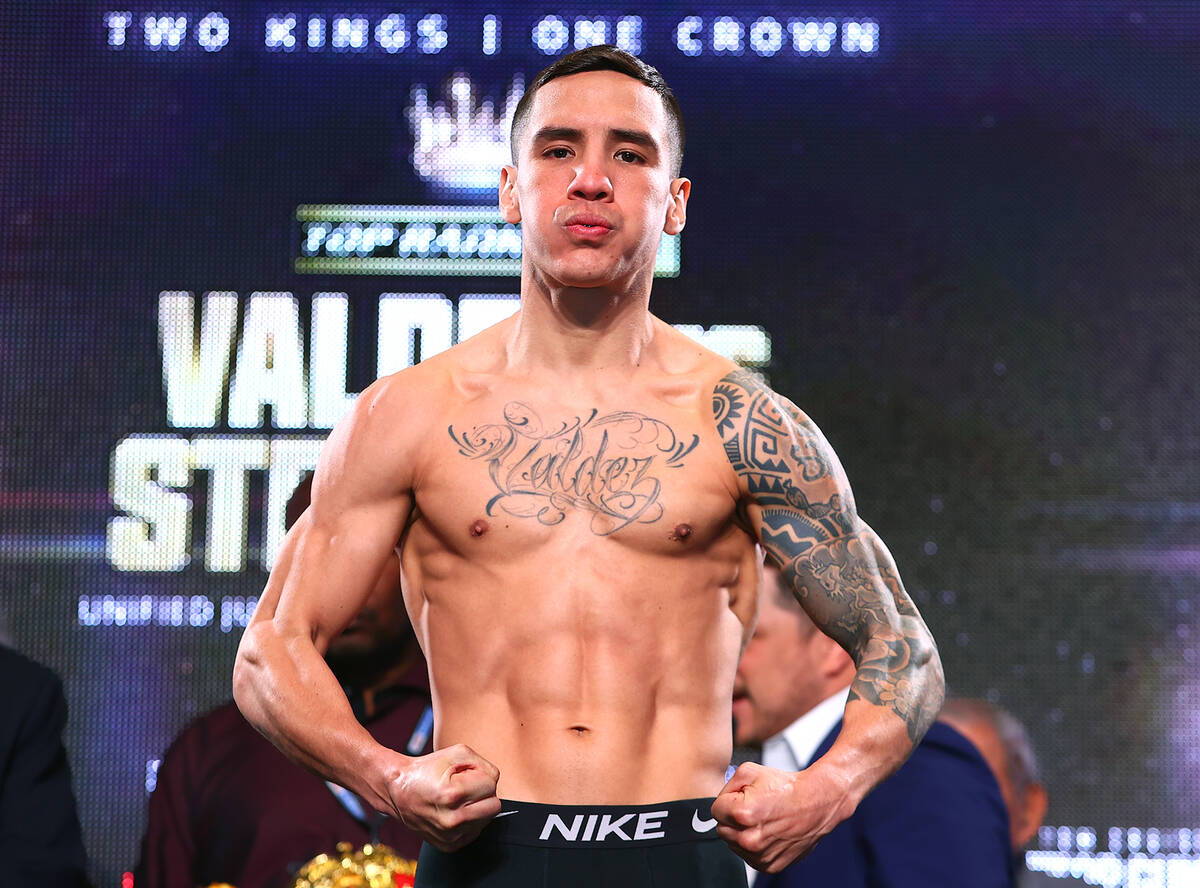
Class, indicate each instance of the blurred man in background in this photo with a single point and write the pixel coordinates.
(229, 807)
(938, 821)
(1004, 744)
(40, 839)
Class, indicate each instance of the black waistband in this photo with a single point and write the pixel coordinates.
(595, 826)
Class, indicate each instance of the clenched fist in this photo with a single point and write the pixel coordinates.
(447, 797)
(770, 818)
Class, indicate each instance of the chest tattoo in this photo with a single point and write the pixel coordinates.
(609, 466)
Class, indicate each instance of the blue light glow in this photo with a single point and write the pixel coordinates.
(550, 34)
(685, 36)
(812, 36)
(766, 36)
(432, 37)
(629, 33)
(860, 37)
(316, 32)
(349, 33)
(590, 32)
(390, 34)
(281, 33)
(213, 32)
(165, 31)
(727, 35)
(491, 35)
(117, 23)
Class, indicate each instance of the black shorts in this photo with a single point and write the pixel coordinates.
(671, 845)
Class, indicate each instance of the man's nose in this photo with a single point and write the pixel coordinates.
(591, 180)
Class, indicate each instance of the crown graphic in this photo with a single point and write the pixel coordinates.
(461, 143)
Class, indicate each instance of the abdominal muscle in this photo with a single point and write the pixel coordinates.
(583, 690)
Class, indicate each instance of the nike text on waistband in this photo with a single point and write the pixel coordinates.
(578, 826)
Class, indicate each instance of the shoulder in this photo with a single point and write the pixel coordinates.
(29, 690)
(399, 395)
(742, 396)
(419, 395)
(16, 667)
(381, 437)
(731, 388)
(774, 446)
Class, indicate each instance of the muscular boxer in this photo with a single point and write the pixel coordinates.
(578, 492)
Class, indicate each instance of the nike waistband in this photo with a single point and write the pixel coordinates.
(592, 826)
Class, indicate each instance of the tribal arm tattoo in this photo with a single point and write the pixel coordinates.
(799, 503)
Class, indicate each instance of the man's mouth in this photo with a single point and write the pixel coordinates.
(588, 224)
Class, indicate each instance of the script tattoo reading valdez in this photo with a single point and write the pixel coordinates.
(838, 567)
(606, 465)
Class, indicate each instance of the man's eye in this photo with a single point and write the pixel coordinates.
(558, 152)
(628, 156)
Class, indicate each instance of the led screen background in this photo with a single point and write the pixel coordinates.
(963, 238)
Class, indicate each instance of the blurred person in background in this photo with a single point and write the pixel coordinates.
(1005, 745)
(40, 839)
(938, 821)
(228, 807)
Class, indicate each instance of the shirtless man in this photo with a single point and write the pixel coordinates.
(578, 492)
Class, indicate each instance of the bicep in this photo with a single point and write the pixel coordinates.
(797, 501)
(331, 558)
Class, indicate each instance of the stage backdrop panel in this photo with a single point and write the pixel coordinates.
(962, 236)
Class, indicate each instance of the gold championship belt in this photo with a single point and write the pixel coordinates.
(372, 866)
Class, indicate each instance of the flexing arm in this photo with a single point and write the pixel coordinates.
(326, 569)
(798, 501)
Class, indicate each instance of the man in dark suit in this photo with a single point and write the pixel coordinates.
(40, 839)
(1006, 747)
(938, 822)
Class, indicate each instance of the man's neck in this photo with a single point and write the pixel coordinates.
(596, 328)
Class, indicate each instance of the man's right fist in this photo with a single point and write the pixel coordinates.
(447, 797)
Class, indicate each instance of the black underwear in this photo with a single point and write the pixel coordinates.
(581, 846)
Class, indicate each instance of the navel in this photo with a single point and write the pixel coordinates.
(681, 532)
(479, 528)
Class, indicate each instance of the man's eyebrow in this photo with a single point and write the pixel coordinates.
(571, 134)
(637, 137)
(554, 133)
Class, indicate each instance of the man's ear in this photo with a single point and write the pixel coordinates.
(677, 211)
(835, 664)
(510, 203)
(1033, 812)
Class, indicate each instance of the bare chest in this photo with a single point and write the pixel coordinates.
(516, 473)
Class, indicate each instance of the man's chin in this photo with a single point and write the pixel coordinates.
(589, 270)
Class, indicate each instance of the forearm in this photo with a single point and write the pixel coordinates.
(284, 688)
(898, 665)
(898, 687)
(893, 701)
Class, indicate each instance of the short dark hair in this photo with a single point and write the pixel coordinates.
(605, 58)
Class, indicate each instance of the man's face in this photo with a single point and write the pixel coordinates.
(593, 189)
(780, 675)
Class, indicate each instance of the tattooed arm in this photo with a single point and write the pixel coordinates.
(797, 500)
